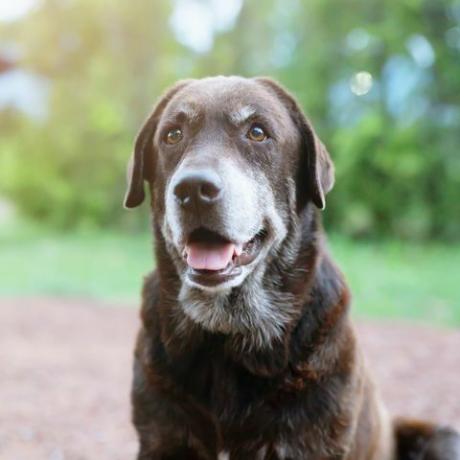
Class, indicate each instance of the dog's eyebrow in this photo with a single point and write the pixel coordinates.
(243, 114)
(186, 112)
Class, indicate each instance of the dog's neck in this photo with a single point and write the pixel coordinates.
(264, 312)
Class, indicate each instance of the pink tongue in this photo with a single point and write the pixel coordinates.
(214, 257)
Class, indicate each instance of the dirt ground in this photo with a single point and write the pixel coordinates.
(65, 373)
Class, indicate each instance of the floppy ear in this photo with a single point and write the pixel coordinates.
(141, 165)
(314, 161)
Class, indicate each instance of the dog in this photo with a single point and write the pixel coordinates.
(246, 349)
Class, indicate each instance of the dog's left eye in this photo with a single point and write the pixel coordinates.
(174, 136)
(257, 133)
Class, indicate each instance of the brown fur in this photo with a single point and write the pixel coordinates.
(306, 395)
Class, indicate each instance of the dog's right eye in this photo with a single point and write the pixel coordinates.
(174, 136)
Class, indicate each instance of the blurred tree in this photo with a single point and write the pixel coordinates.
(380, 80)
(107, 62)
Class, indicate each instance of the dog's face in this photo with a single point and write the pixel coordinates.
(230, 161)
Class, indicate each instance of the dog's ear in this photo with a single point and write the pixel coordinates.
(141, 165)
(314, 159)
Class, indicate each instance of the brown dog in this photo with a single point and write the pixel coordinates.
(246, 349)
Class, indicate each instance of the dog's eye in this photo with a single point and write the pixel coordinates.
(174, 136)
(257, 133)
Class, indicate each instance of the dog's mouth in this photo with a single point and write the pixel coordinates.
(213, 259)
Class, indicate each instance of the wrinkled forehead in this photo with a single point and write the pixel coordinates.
(233, 98)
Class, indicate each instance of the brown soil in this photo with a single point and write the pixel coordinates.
(65, 369)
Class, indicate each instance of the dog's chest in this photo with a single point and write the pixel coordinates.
(228, 390)
(247, 406)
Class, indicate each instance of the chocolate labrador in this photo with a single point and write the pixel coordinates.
(246, 350)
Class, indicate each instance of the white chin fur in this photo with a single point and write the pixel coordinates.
(259, 315)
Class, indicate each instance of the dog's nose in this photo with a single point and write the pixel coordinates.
(199, 187)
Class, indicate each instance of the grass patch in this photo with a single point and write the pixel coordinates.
(106, 266)
(388, 279)
(398, 279)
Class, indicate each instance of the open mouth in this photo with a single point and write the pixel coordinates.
(213, 259)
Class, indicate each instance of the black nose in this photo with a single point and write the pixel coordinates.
(199, 187)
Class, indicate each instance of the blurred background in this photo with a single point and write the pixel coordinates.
(379, 79)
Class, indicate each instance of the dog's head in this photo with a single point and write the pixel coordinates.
(229, 161)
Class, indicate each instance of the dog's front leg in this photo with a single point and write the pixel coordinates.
(170, 427)
(162, 442)
(184, 453)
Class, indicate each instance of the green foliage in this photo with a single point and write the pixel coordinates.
(396, 148)
(397, 184)
(102, 61)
